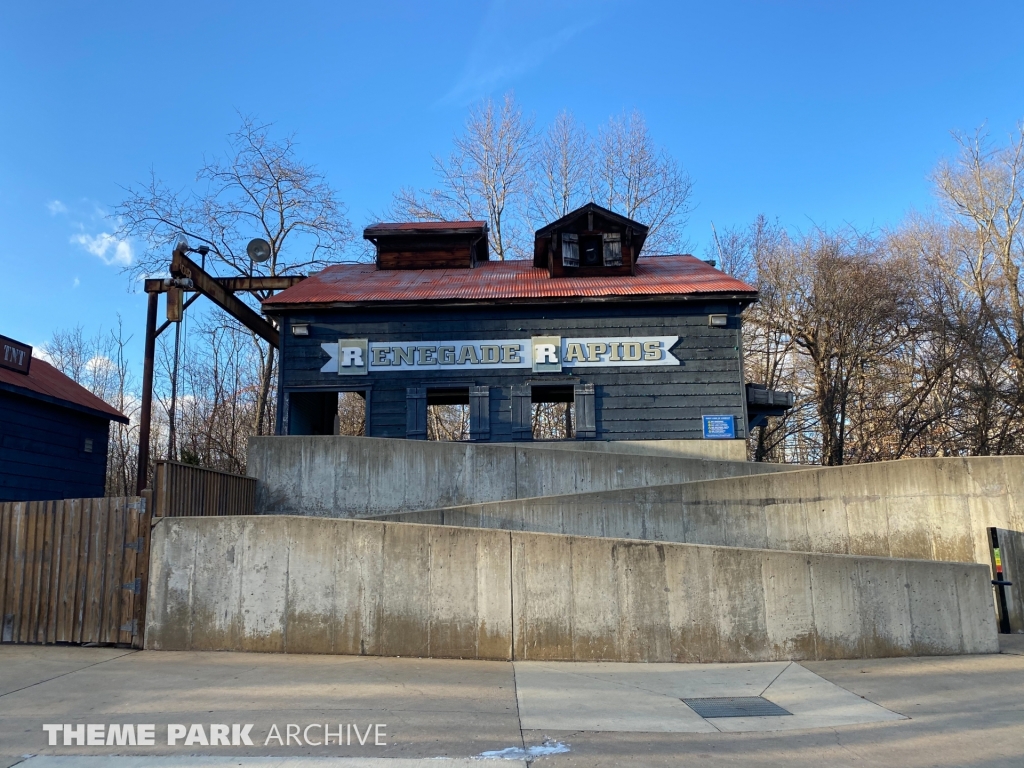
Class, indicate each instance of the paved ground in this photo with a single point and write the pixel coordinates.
(951, 711)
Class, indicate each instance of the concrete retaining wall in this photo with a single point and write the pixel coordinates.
(303, 585)
(929, 509)
(299, 584)
(714, 450)
(362, 476)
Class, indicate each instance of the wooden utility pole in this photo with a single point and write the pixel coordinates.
(146, 413)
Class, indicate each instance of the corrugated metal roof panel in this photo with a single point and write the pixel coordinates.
(504, 280)
(383, 228)
(44, 379)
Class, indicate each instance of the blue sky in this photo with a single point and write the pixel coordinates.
(817, 112)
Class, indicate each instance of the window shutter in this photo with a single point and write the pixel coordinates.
(416, 413)
(479, 413)
(586, 422)
(522, 412)
(613, 250)
(570, 250)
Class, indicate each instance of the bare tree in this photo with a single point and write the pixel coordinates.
(217, 394)
(979, 396)
(448, 422)
(636, 178)
(769, 353)
(562, 170)
(351, 414)
(260, 189)
(835, 324)
(500, 171)
(482, 178)
(553, 421)
(982, 191)
(99, 364)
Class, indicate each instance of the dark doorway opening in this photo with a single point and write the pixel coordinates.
(312, 413)
(327, 413)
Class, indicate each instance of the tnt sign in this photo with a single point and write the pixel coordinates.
(15, 355)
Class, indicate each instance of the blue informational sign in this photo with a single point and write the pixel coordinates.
(719, 427)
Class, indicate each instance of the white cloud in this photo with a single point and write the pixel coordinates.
(99, 365)
(506, 47)
(87, 215)
(120, 251)
(76, 283)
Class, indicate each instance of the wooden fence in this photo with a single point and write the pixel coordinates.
(181, 490)
(76, 570)
(73, 570)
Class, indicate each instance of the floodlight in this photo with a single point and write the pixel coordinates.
(258, 250)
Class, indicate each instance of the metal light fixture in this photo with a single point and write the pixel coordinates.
(718, 321)
(258, 250)
(300, 329)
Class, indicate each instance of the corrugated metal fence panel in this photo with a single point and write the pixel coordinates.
(182, 490)
(68, 570)
(1011, 546)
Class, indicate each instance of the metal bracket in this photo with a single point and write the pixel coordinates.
(138, 545)
(135, 586)
(132, 627)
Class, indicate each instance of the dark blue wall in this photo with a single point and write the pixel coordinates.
(42, 451)
(633, 403)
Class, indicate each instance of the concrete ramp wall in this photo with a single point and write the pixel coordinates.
(361, 476)
(299, 584)
(713, 450)
(927, 509)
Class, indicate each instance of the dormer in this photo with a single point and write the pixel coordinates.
(429, 244)
(590, 241)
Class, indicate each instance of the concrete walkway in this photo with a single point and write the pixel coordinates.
(944, 711)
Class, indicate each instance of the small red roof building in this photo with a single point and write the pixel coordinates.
(46, 381)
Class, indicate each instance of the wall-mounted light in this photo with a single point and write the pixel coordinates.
(718, 321)
(300, 329)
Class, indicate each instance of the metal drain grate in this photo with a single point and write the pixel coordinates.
(735, 706)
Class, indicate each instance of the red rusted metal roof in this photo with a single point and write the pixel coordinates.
(406, 227)
(44, 379)
(503, 281)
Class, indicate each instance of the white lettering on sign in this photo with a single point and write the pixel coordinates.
(545, 353)
(541, 354)
(348, 357)
(12, 355)
(15, 355)
(351, 356)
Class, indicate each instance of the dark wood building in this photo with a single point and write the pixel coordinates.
(637, 349)
(53, 432)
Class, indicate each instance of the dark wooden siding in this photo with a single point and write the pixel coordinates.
(42, 451)
(630, 403)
